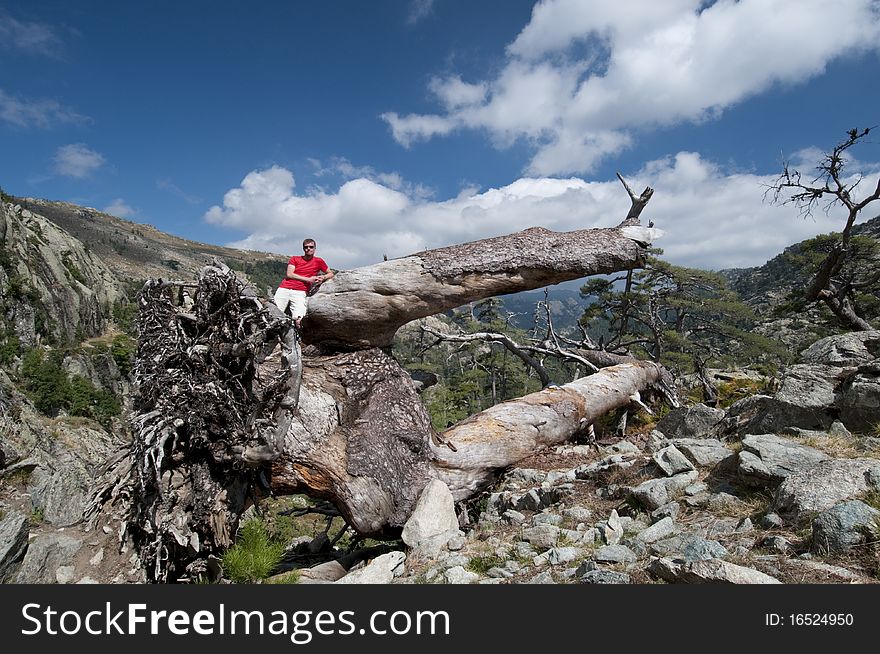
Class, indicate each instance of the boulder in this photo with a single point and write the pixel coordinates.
(704, 452)
(690, 422)
(859, 398)
(671, 461)
(844, 350)
(655, 493)
(45, 558)
(843, 526)
(710, 571)
(433, 521)
(13, 542)
(767, 459)
(380, 570)
(824, 485)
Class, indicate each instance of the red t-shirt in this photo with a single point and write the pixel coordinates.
(304, 268)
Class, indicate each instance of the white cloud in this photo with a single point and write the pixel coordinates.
(38, 113)
(419, 10)
(583, 74)
(120, 208)
(34, 38)
(712, 218)
(77, 160)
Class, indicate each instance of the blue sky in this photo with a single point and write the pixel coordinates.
(382, 128)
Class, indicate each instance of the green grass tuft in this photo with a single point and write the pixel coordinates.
(254, 556)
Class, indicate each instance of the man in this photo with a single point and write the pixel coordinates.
(302, 277)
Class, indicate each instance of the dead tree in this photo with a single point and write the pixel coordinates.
(227, 411)
(831, 187)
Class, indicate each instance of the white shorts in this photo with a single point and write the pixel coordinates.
(296, 299)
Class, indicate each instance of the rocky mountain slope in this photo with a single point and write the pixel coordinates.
(768, 288)
(135, 251)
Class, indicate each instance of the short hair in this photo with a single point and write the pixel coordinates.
(309, 240)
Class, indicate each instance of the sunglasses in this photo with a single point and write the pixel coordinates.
(308, 247)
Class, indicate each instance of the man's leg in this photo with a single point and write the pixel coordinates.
(298, 306)
(282, 298)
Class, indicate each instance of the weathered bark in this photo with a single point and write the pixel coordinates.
(364, 307)
(363, 437)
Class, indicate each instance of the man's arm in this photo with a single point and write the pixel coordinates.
(291, 274)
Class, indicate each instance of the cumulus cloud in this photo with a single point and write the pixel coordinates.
(77, 160)
(583, 74)
(120, 208)
(712, 218)
(33, 38)
(25, 112)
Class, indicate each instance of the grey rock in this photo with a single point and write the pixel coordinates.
(606, 465)
(433, 521)
(859, 398)
(514, 517)
(772, 521)
(13, 542)
(458, 575)
(692, 422)
(839, 430)
(655, 493)
(612, 530)
(44, 556)
(519, 477)
(669, 510)
(380, 570)
(324, 572)
(555, 476)
(825, 485)
(696, 488)
(658, 531)
(621, 447)
(843, 526)
(499, 573)
(778, 457)
(752, 471)
(708, 571)
(605, 577)
(542, 578)
(656, 441)
(523, 550)
(844, 350)
(585, 567)
(704, 452)
(543, 536)
(562, 555)
(671, 461)
(744, 526)
(689, 547)
(546, 519)
(614, 554)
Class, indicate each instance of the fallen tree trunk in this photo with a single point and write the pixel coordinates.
(227, 411)
(363, 438)
(365, 307)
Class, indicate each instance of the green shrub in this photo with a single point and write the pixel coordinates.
(123, 350)
(9, 347)
(254, 555)
(124, 314)
(50, 389)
